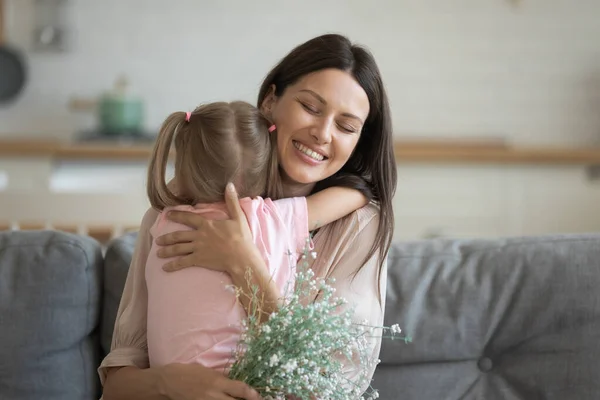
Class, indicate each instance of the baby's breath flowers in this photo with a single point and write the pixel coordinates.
(304, 349)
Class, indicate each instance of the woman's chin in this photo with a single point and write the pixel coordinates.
(303, 178)
(298, 185)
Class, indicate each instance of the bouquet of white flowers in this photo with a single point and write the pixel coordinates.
(303, 350)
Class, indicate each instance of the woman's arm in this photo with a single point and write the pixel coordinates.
(175, 382)
(125, 372)
(129, 347)
(132, 383)
(331, 204)
(222, 245)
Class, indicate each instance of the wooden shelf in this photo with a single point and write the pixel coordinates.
(500, 155)
(73, 150)
(406, 151)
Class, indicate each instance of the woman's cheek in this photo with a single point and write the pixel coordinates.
(347, 146)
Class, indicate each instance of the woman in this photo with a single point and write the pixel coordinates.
(333, 128)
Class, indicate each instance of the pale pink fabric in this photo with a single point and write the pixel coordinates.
(193, 314)
(341, 250)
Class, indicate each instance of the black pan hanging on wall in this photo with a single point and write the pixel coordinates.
(12, 67)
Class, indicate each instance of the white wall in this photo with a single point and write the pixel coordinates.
(452, 67)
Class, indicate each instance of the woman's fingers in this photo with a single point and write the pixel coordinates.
(233, 202)
(194, 381)
(176, 237)
(240, 390)
(179, 249)
(188, 218)
(221, 396)
(179, 263)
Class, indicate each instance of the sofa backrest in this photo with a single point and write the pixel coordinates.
(50, 307)
(503, 319)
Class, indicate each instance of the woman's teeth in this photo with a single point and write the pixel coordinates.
(308, 152)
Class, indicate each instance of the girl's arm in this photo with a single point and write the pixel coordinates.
(331, 204)
(270, 295)
(227, 245)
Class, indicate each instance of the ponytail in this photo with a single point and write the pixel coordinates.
(159, 193)
(222, 142)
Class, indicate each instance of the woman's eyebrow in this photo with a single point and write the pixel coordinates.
(318, 97)
(324, 102)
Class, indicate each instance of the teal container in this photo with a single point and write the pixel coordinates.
(120, 114)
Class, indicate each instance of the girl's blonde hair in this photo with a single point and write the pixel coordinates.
(219, 143)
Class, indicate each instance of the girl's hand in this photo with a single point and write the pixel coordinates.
(196, 382)
(219, 245)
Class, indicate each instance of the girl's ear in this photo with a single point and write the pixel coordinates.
(268, 102)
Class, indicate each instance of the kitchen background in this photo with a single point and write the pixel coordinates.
(496, 103)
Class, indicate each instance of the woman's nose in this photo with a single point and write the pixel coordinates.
(322, 131)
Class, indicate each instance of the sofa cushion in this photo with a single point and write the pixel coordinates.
(494, 319)
(116, 265)
(50, 298)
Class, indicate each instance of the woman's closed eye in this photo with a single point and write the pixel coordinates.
(347, 128)
(315, 111)
(310, 108)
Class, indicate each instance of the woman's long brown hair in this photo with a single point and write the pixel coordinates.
(372, 166)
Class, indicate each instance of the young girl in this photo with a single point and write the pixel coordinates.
(194, 315)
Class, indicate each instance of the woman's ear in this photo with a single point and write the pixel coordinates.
(268, 102)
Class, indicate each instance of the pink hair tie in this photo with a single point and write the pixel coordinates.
(272, 128)
(187, 116)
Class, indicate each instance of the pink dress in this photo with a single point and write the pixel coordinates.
(193, 315)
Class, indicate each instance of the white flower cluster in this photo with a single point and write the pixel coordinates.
(303, 350)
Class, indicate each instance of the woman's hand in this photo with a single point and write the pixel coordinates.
(196, 382)
(218, 245)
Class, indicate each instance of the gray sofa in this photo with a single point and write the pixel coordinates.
(506, 319)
